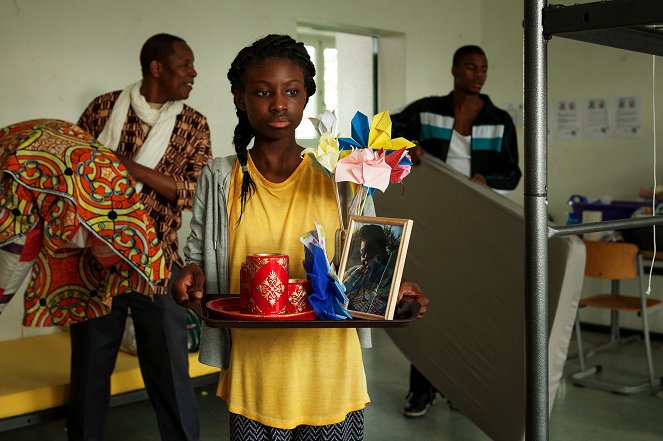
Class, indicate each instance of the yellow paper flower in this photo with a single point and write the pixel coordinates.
(376, 137)
(379, 137)
(325, 154)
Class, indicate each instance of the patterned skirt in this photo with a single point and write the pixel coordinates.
(350, 429)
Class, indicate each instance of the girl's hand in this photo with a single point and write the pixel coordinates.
(411, 292)
(189, 285)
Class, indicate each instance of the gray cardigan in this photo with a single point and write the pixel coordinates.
(207, 246)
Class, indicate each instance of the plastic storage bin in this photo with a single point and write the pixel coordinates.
(642, 237)
(614, 210)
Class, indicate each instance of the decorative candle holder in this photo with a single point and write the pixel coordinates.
(298, 292)
(268, 283)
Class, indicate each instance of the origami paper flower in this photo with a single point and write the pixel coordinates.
(359, 130)
(325, 155)
(376, 137)
(365, 167)
(325, 122)
(369, 159)
(327, 292)
(400, 163)
(380, 135)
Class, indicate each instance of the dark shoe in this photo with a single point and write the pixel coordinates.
(416, 405)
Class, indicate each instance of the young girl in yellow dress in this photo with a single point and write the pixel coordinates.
(290, 384)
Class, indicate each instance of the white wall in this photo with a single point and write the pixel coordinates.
(502, 40)
(58, 55)
(355, 78)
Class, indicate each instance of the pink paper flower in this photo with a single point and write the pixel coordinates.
(365, 167)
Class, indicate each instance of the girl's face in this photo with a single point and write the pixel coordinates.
(273, 97)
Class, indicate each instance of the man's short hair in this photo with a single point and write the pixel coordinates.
(463, 51)
(157, 47)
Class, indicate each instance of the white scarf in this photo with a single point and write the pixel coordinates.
(162, 122)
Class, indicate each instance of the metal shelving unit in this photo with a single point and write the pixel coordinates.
(635, 25)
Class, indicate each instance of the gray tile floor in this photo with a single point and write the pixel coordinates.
(578, 414)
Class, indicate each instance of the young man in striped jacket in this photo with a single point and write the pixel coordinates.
(474, 137)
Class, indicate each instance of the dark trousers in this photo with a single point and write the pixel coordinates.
(161, 340)
(419, 384)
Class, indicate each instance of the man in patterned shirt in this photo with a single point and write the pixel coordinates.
(164, 144)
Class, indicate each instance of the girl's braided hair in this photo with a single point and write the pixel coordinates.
(271, 46)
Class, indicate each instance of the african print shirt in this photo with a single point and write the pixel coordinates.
(187, 154)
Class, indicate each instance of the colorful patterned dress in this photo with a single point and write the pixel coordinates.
(57, 182)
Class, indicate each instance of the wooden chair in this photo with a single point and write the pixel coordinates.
(615, 262)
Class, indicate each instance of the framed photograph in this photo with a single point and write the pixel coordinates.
(372, 265)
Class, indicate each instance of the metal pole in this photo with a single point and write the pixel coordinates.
(536, 225)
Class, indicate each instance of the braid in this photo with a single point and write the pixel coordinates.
(271, 46)
(241, 139)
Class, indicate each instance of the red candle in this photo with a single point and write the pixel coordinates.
(268, 283)
(298, 292)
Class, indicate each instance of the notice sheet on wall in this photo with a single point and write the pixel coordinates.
(627, 117)
(597, 120)
(568, 119)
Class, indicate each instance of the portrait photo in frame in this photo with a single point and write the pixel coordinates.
(372, 265)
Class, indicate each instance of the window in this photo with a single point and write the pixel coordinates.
(345, 78)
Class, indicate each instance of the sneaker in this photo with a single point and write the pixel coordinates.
(416, 405)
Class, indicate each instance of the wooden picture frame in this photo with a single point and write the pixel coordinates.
(372, 265)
